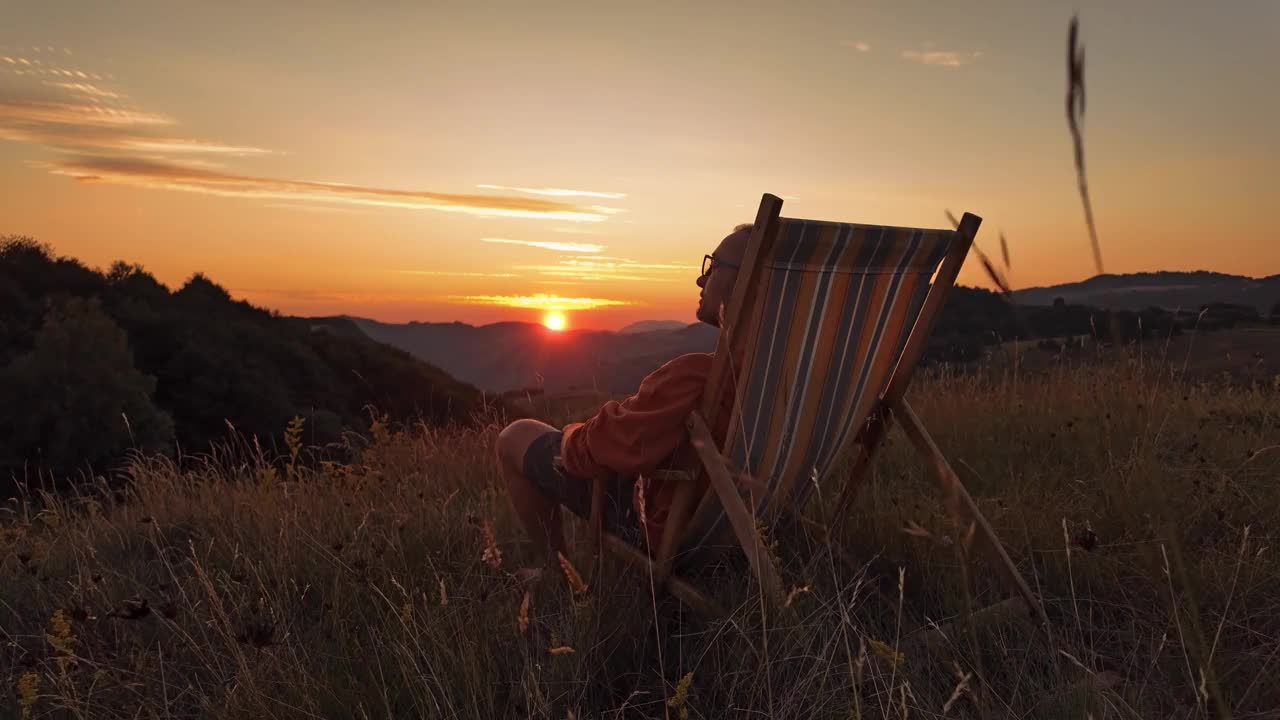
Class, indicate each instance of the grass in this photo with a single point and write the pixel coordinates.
(1144, 508)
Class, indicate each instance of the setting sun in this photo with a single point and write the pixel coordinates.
(554, 321)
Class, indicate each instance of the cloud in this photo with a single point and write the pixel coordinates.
(86, 89)
(36, 112)
(539, 301)
(945, 58)
(450, 273)
(314, 208)
(41, 117)
(23, 67)
(556, 192)
(70, 136)
(626, 264)
(103, 141)
(549, 245)
(172, 176)
(858, 45)
(621, 269)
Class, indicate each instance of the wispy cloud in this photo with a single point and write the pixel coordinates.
(35, 112)
(549, 245)
(858, 45)
(70, 136)
(74, 115)
(555, 192)
(314, 208)
(945, 58)
(83, 117)
(451, 273)
(621, 269)
(539, 301)
(86, 89)
(18, 65)
(172, 176)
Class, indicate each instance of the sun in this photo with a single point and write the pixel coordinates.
(554, 321)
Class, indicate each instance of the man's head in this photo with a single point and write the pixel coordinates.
(720, 272)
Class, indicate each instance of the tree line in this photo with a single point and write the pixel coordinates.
(93, 364)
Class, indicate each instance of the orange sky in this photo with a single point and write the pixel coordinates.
(445, 162)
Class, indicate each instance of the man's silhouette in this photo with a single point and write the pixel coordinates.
(622, 441)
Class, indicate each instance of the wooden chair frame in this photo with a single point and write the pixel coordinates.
(891, 406)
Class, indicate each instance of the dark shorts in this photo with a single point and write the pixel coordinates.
(574, 492)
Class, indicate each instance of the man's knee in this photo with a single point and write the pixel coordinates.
(514, 440)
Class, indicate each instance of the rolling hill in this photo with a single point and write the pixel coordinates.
(1168, 290)
(94, 364)
(510, 355)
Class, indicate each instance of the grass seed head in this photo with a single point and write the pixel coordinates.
(571, 575)
(522, 620)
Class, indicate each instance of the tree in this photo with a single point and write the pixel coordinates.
(76, 396)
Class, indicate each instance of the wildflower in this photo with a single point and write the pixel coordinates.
(59, 635)
(678, 701)
(28, 692)
(293, 441)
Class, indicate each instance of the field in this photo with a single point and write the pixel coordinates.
(1143, 503)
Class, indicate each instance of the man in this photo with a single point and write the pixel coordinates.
(622, 441)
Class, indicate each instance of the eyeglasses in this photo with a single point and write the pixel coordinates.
(710, 262)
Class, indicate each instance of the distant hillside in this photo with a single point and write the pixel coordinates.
(652, 325)
(1168, 290)
(93, 363)
(510, 355)
(507, 356)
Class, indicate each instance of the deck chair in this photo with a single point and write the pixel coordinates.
(817, 347)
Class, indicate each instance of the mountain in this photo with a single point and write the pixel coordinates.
(652, 325)
(503, 357)
(508, 356)
(1168, 290)
(511, 355)
(93, 364)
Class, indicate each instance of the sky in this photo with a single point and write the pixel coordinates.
(487, 161)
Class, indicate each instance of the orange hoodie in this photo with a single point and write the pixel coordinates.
(638, 435)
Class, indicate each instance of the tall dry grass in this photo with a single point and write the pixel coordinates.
(1144, 508)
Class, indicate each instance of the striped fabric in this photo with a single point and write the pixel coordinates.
(837, 305)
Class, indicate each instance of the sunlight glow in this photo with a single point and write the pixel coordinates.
(554, 321)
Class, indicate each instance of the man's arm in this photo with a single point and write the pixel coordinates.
(636, 435)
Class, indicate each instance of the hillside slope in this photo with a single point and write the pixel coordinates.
(1168, 290)
(108, 361)
(510, 355)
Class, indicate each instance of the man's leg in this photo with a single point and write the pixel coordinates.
(539, 514)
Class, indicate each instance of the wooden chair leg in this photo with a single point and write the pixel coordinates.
(869, 442)
(678, 515)
(961, 502)
(740, 518)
